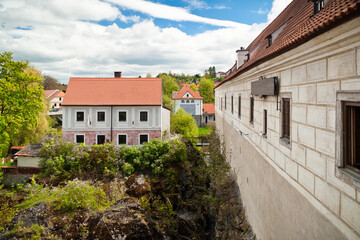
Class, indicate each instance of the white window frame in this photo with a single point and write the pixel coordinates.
(100, 134)
(117, 139)
(76, 112)
(97, 116)
(148, 116)
(143, 134)
(127, 116)
(75, 135)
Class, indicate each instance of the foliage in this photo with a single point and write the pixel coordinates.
(74, 195)
(169, 85)
(184, 124)
(20, 100)
(206, 89)
(193, 87)
(68, 160)
(205, 131)
(50, 83)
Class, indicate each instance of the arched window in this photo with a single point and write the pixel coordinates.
(182, 101)
(187, 101)
(192, 101)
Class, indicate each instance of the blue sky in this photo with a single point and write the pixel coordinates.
(97, 37)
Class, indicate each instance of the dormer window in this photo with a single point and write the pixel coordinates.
(318, 5)
(269, 40)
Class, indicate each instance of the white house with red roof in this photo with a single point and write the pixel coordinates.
(189, 100)
(208, 116)
(55, 98)
(119, 110)
(288, 113)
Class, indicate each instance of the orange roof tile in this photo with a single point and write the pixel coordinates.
(60, 94)
(209, 108)
(183, 90)
(301, 26)
(113, 91)
(50, 93)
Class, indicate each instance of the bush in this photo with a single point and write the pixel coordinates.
(74, 195)
(184, 124)
(68, 160)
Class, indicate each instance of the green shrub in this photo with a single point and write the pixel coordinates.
(184, 124)
(68, 160)
(79, 194)
(75, 194)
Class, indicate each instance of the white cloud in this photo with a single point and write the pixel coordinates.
(162, 11)
(277, 7)
(197, 4)
(261, 11)
(70, 43)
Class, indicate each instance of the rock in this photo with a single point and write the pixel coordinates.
(122, 223)
(138, 185)
(34, 215)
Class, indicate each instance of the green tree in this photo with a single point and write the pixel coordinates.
(184, 124)
(206, 89)
(21, 96)
(169, 85)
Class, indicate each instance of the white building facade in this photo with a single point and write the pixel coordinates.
(295, 152)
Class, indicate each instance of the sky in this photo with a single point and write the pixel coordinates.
(94, 38)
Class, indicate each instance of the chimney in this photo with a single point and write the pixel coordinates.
(117, 74)
(241, 56)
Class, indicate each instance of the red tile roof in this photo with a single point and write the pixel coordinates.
(50, 93)
(209, 108)
(301, 26)
(60, 94)
(113, 91)
(183, 90)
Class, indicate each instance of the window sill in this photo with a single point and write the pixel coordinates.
(285, 142)
(348, 176)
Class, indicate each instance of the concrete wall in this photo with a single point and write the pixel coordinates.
(28, 161)
(292, 184)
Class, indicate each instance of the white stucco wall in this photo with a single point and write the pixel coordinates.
(310, 75)
(165, 122)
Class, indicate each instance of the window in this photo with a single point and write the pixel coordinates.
(100, 139)
(143, 116)
(59, 99)
(122, 139)
(79, 116)
(351, 126)
(265, 123)
(348, 137)
(187, 95)
(182, 101)
(286, 119)
(187, 101)
(221, 103)
(143, 138)
(55, 104)
(122, 116)
(80, 138)
(101, 116)
(252, 110)
(232, 104)
(269, 40)
(225, 102)
(318, 5)
(192, 101)
(239, 107)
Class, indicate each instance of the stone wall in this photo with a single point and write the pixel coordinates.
(310, 75)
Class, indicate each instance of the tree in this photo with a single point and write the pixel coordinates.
(184, 124)
(21, 96)
(169, 85)
(206, 89)
(50, 83)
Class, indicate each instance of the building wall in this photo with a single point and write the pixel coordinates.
(197, 103)
(56, 101)
(132, 136)
(91, 126)
(286, 186)
(165, 116)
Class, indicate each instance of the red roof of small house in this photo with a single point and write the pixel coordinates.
(113, 91)
(183, 90)
(50, 93)
(209, 108)
(299, 26)
(60, 94)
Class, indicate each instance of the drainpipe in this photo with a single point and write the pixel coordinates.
(111, 123)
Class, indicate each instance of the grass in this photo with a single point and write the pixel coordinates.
(205, 131)
(8, 164)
